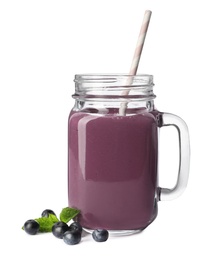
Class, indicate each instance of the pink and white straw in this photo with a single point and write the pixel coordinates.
(140, 43)
(136, 57)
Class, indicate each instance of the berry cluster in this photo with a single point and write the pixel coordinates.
(71, 234)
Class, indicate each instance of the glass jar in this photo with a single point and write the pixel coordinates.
(113, 152)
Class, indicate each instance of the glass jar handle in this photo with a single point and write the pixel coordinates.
(184, 156)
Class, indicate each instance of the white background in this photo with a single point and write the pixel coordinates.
(42, 45)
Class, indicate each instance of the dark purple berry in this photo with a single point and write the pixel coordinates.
(59, 229)
(72, 237)
(75, 226)
(31, 227)
(46, 213)
(100, 235)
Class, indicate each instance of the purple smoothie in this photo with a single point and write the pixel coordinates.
(112, 165)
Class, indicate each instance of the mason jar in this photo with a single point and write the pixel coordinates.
(113, 152)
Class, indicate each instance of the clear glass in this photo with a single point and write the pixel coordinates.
(113, 153)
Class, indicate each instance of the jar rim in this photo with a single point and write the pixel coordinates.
(114, 87)
(142, 79)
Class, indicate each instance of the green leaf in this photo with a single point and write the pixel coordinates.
(68, 213)
(46, 223)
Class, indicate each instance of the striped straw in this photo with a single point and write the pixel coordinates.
(136, 57)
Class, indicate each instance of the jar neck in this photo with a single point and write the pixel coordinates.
(112, 107)
(105, 93)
